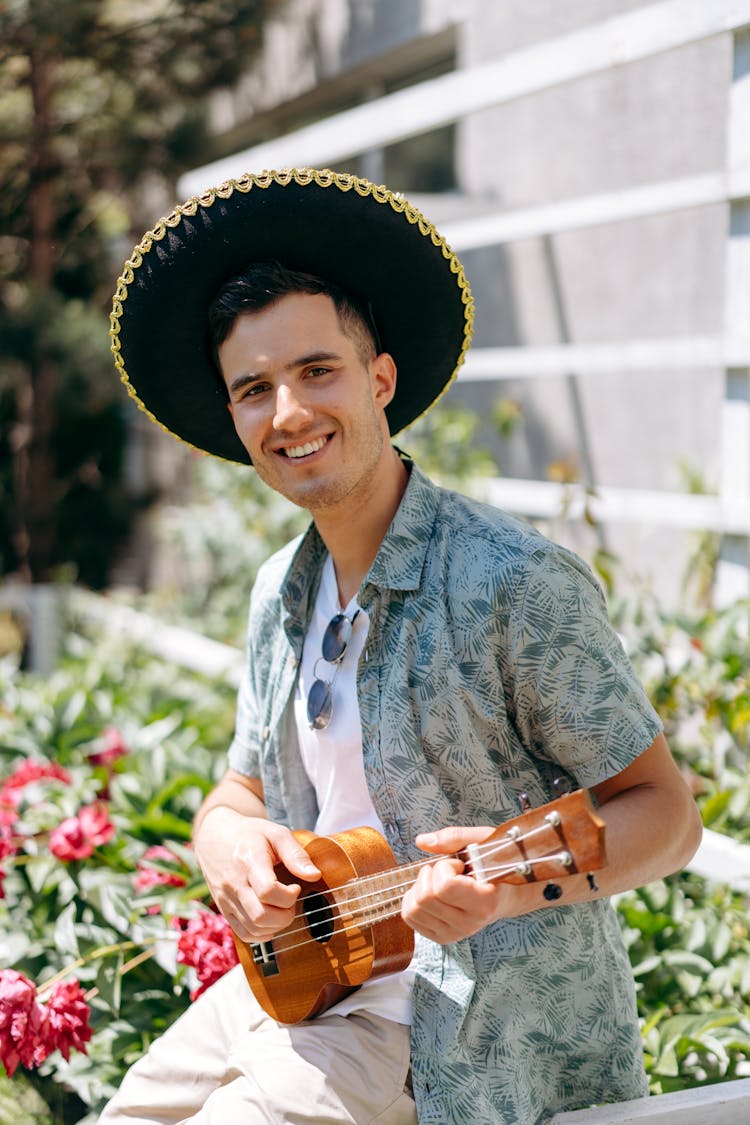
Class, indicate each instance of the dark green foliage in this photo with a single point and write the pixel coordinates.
(100, 103)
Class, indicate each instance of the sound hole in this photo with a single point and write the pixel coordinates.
(319, 916)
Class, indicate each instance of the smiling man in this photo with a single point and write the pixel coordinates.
(418, 664)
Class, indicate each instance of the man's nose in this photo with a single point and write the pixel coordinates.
(290, 411)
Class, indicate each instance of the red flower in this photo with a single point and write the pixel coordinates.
(11, 789)
(149, 876)
(21, 1023)
(113, 748)
(7, 844)
(8, 809)
(206, 943)
(77, 836)
(29, 771)
(30, 1031)
(7, 847)
(67, 1019)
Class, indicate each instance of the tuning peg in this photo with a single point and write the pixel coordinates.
(561, 786)
(524, 802)
(552, 892)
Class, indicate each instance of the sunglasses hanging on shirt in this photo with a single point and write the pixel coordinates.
(320, 698)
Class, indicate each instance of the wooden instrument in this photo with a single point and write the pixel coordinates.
(348, 926)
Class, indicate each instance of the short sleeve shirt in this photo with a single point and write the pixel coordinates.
(490, 670)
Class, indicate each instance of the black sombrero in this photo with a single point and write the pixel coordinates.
(366, 239)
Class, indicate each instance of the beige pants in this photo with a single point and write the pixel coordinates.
(224, 1062)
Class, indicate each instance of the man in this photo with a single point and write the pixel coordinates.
(417, 662)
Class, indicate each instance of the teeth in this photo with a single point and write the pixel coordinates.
(304, 450)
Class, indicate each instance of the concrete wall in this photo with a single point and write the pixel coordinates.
(656, 119)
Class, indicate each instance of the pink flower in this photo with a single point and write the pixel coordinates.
(149, 876)
(77, 836)
(67, 1019)
(12, 787)
(113, 748)
(206, 943)
(29, 771)
(7, 844)
(22, 1021)
(9, 807)
(7, 847)
(30, 1031)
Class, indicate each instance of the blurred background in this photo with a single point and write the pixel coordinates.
(588, 161)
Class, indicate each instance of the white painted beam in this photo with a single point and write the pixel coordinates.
(723, 860)
(733, 570)
(182, 647)
(675, 353)
(595, 210)
(547, 500)
(624, 39)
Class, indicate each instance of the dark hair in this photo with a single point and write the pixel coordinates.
(264, 283)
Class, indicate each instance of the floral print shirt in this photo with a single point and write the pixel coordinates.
(490, 670)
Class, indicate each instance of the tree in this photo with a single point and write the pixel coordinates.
(99, 100)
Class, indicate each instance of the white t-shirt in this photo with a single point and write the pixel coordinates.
(333, 760)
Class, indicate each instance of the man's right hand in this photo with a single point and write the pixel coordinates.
(237, 854)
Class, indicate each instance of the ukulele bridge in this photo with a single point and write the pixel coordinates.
(265, 958)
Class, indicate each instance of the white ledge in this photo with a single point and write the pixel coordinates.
(726, 1103)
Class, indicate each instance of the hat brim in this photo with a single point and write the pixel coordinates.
(346, 230)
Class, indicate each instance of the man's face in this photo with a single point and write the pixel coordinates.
(306, 406)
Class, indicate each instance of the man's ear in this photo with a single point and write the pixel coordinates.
(383, 370)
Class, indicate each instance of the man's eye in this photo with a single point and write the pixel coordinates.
(254, 389)
(316, 371)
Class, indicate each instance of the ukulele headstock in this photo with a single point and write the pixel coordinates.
(564, 837)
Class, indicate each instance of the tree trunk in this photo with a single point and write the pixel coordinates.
(37, 402)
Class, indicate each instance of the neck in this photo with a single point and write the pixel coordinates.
(353, 537)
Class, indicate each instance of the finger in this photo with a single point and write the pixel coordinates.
(295, 858)
(251, 920)
(448, 840)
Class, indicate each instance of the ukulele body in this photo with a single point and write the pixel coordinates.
(348, 926)
(331, 948)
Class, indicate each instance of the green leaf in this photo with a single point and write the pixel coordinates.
(65, 938)
(109, 982)
(39, 869)
(176, 786)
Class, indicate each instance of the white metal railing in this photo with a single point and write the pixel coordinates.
(681, 353)
(585, 211)
(623, 39)
(539, 499)
(439, 101)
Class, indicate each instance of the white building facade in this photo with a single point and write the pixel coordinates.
(589, 160)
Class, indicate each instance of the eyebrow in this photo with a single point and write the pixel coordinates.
(248, 377)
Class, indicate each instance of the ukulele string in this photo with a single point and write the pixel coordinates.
(388, 908)
(489, 850)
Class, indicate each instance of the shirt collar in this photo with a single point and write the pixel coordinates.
(398, 564)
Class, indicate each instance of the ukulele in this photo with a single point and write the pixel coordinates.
(348, 926)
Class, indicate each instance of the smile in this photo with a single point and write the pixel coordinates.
(295, 451)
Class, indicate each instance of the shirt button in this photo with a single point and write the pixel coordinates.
(266, 733)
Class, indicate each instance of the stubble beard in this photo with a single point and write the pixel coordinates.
(323, 495)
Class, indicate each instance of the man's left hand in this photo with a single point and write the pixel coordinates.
(444, 904)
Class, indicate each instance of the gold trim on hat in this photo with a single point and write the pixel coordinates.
(302, 176)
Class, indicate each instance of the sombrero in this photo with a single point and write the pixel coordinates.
(364, 238)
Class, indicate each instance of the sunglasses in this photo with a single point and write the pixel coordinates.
(320, 698)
